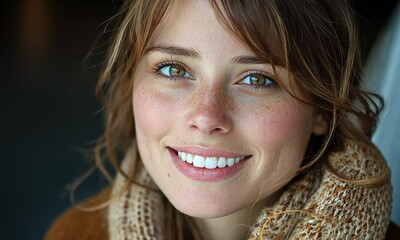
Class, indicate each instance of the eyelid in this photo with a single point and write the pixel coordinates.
(258, 72)
(270, 85)
(166, 63)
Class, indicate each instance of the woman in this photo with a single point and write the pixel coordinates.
(237, 120)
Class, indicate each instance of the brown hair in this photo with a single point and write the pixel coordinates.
(316, 41)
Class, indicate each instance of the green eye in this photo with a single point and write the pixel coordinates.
(174, 70)
(258, 80)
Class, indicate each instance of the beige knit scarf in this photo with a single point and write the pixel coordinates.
(321, 205)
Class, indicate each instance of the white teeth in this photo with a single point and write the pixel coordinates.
(211, 162)
(198, 161)
(221, 162)
(230, 162)
(237, 160)
(208, 162)
(189, 158)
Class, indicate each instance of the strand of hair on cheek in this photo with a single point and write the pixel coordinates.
(259, 196)
(279, 178)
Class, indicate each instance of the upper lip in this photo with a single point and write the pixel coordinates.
(208, 151)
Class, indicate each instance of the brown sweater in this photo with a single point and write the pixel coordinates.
(76, 224)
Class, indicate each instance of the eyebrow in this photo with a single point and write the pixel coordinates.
(174, 50)
(247, 60)
(188, 52)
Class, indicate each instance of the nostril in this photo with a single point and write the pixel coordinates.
(217, 130)
(209, 128)
(207, 122)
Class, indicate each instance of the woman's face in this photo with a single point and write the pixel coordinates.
(214, 128)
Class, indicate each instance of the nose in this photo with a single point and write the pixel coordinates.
(209, 113)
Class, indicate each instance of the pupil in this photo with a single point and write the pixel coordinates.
(176, 71)
(257, 80)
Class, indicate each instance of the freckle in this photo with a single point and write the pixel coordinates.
(169, 175)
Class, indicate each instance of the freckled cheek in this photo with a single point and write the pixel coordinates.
(153, 111)
(277, 125)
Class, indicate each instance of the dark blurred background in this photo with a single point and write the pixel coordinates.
(50, 117)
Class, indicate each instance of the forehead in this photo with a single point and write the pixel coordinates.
(194, 24)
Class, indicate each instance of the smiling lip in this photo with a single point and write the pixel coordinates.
(207, 165)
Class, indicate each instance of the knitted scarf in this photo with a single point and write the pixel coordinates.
(321, 205)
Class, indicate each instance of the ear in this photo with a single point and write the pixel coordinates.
(320, 125)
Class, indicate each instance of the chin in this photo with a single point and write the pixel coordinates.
(202, 210)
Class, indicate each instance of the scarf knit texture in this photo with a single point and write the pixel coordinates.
(320, 205)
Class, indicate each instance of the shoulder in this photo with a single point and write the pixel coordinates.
(360, 163)
(79, 224)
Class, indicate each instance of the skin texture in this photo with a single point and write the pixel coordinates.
(213, 107)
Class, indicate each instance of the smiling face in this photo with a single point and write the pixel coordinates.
(214, 128)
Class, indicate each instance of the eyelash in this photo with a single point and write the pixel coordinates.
(157, 70)
(271, 85)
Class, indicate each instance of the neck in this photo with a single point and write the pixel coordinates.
(235, 226)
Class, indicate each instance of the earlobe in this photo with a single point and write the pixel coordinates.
(320, 125)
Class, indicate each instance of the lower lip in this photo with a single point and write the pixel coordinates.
(204, 174)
